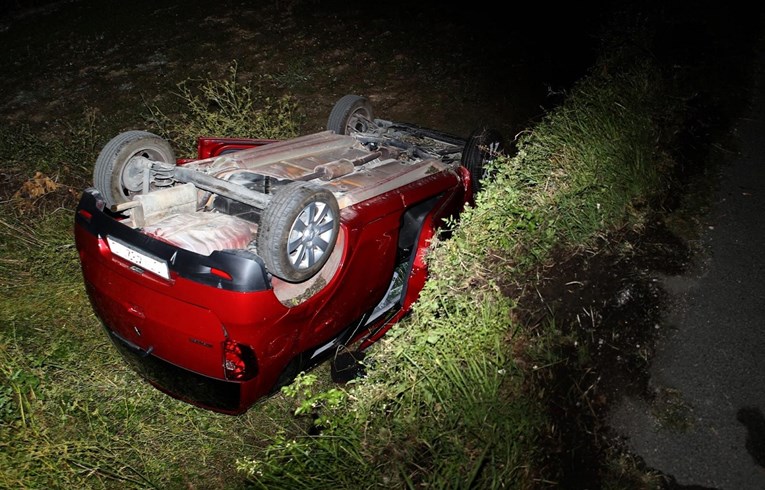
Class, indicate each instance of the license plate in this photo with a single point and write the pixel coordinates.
(139, 258)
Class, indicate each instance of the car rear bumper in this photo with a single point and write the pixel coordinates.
(215, 394)
(244, 271)
(174, 331)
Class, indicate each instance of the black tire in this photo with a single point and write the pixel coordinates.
(298, 230)
(352, 113)
(114, 175)
(483, 146)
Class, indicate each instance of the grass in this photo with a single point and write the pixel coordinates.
(456, 396)
(228, 107)
(72, 414)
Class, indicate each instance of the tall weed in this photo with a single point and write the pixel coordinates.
(225, 107)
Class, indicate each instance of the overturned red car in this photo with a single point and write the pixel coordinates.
(220, 278)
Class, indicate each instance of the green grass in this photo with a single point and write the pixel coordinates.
(72, 414)
(456, 396)
(228, 107)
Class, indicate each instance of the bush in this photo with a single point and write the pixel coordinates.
(225, 108)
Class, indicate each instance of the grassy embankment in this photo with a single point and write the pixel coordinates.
(455, 395)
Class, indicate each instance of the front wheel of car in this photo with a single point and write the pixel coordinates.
(482, 147)
(298, 230)
(120, 167)
(352, 113)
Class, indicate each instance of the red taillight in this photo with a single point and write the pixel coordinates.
(85, 214)
(220, 273)
(239, 362)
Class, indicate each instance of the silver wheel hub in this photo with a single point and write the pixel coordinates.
(310, 236)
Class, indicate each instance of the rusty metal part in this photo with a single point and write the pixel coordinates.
(339, 168)
(295, 159)
(155, 206)
(333, 170)
(223, 187)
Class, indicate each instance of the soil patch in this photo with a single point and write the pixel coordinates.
(438, 66)
(608, 307)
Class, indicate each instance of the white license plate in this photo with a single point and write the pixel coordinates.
(141, 259)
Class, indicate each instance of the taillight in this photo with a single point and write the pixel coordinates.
(239, 362)
(220, 273)
(87, 215)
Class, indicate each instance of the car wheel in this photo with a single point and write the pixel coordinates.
(352, 113)
(483, 146)
(118, 174)
(298, 230)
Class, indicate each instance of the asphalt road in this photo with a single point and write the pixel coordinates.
(710, 368)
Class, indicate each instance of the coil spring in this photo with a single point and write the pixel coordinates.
(162, 174)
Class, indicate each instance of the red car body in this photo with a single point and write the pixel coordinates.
(219, 330)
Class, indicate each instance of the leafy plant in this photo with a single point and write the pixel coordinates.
(310, 400)
(225, 107)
